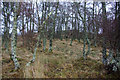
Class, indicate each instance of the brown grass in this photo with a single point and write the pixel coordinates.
(64, 61)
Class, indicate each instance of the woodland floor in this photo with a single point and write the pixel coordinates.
(64, 62)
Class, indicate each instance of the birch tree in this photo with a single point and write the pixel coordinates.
(52, 36)
(13, 40)
(104, 40)
(72, 29)
(94, 30)
(38, 37)
(44, 8)
(6, 14)
(85, 36)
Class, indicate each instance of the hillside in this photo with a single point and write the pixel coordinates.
(64, 61)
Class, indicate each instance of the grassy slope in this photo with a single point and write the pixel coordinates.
(64, 62)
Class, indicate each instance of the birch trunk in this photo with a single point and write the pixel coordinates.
(13, 42)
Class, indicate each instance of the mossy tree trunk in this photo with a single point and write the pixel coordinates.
(94, 30)
(72, 30)
(39, 36)
(104, 58)
(66, 28)
(13, 40)
(44, 27)
(23, 27)
(54, 22)
(53, 29)
(33, 19)
(78, 37)
(84, 31)
(60, 29)
(85, 36)
(39, 27)
(27, 23)
(30, 7)
(5, 36)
